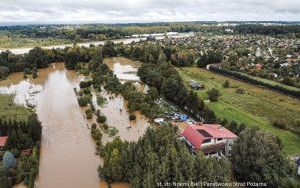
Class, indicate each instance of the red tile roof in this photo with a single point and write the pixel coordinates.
(259, 66)
(193, 136)
(196, 134)
(3, 140)
(216, 131)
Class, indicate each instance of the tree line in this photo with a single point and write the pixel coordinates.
(273, 30)
(159, 157)
(254, 81)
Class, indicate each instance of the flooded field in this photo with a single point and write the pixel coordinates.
(125, 69)
(117, 115)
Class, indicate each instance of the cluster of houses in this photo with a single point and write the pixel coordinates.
(257, 55)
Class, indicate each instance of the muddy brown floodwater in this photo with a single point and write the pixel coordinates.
(116, 107)
(68, 157)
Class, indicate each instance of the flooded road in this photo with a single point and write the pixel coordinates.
(68, 152)
(68, 157)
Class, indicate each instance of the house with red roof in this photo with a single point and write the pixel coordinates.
(258, 66)
(211, 139)
(3, 140)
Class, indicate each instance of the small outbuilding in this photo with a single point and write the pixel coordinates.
(159, 120)
(3, 141)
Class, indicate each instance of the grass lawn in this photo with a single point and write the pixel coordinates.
(257, 106)
(9, 110)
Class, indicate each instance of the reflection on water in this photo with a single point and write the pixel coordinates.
(117, 115)
(67, 153)
(68, 157)
(24, 92)
(116, 108)
(125, 69)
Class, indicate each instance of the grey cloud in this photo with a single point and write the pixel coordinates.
(146, 10)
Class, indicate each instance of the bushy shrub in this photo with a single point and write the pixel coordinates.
(226, 84)
(85, 84)
(83, 101)
(213, 94)
(101, 119)
(94, 126)
(100, 100)
(132, 117)
(89, 114)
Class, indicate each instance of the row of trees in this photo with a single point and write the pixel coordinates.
(35, 59)
(159, 157)
(168, 83)
(248, 79)
(22, 135)
(275, 30)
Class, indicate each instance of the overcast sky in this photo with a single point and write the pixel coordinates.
(121, 11)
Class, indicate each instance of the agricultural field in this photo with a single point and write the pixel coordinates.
(257, 106)
(9, 110)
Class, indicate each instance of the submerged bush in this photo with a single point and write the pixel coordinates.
(132, 117)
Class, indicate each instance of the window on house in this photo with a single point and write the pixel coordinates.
(206, 141)
(219, 139)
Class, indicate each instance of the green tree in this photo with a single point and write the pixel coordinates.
(9, 160)
(226, 84)
(5, 181)
(213, 94)
(71, 57)
(37, 58)
(257, 156)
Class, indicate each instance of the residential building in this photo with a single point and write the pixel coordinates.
(3, 140)
(211, 139)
